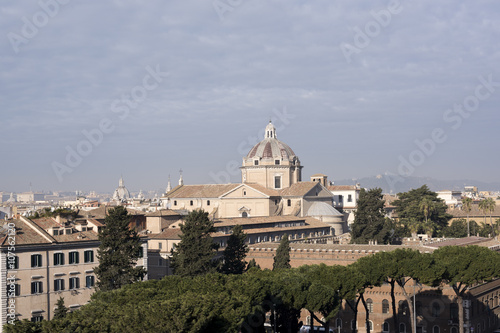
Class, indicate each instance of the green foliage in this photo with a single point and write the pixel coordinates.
(23, 326)
(118, 252)
(422, 211)
(235, 252)
(282, 257)
(369, 222)
(61, 310)
(194, 254)
(252, 264)
(457, 229)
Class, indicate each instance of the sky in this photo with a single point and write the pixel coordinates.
(94, 90)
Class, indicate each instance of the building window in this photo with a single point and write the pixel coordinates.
(338, 323)
(58, 259)
(454, 311)
(454, 330)
(385, 327)
(369, 305)
(256, 162)
(289, 202)
(244, 214)
(175, 202)
(36, 260)
(88, 256)
(277, 182)
(17, 290)
(244, 192)
(36, 318)
(435, 329)
(89, 281)
(385, 306)
(74, 258)
(402, 328)
(277, 162)
(159, 245)
(13, 262)
(58, 284)
(341, 199)
(370, 325)
(74, 283)
(349, 198)
(141, 252)
(436, 310)
(191, 202)
(36, 287)
(403, 308)
(208, 202)
(308, 320)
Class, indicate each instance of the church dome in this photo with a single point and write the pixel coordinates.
(121, 193)
(322, 209)
(271, 147)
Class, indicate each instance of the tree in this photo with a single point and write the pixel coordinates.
(491, 204)
(194, 254)
(252, 264)
(61, 310)
(457, 229)
(465, 267)
(282, 257)
(369, 221)
(118, 252)
(235, 252)
(411, 213)
(467, 206)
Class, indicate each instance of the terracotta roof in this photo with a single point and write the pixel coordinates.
(101, 212)
(475, 212)
(26, 235)
(341, 247)
(265, 190)
(255, 220)
(342, 187)
(200, 191)
(163, 212)
(171, 233)
(298, 189)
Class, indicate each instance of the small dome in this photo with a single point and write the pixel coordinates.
(322, 209)
(121, 193)
(271, 147)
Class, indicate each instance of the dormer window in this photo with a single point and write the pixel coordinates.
(277, 162)
(256, 162)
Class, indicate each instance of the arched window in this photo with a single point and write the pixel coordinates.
(403, 308)
(436, 310)
(385, 306)
(435, 329)
(369, 305)
(308, 320)
(338, 323)
(385, 327)
(370, 325)
(453, 329)
(402, 328)
(244, 214)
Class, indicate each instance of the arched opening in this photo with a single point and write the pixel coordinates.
(385, 306)
(244, 214)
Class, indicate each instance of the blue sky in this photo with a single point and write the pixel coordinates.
(355, 88)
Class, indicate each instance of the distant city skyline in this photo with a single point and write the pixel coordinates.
(93, 91)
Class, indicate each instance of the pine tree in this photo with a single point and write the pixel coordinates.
(118, 252)
(252, 264)
(282, 258)
(194, 254)
(369, 221)
(235, 252)
(61, 310)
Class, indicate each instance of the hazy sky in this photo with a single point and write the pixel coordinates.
(91, 90)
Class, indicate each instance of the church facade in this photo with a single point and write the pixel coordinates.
(271, 185)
